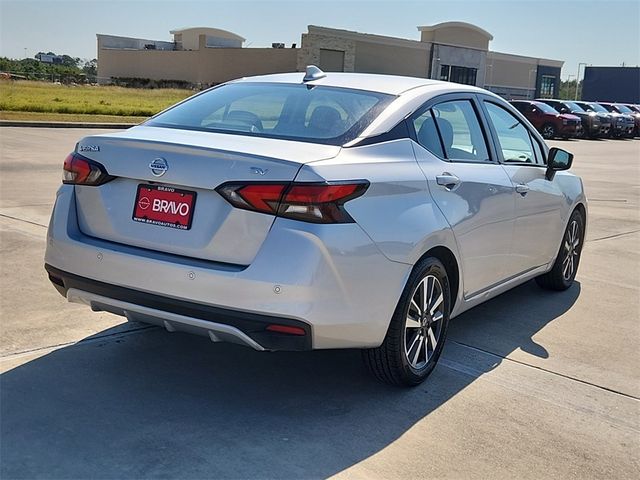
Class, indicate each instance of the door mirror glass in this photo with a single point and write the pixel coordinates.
(558, 160)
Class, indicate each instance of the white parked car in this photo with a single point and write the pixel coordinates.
(313, 211)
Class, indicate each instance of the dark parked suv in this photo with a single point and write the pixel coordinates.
(593, 124)
(548, 121)
(632, 120)
(636, 116)
(621, 125)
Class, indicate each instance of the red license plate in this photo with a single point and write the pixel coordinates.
(164, 206)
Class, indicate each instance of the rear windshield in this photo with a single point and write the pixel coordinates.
(291, 111)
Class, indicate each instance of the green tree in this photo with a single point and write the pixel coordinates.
(90, 68)
(35, 70)
(568, 90)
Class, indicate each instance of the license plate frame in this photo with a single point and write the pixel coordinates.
(164, 206)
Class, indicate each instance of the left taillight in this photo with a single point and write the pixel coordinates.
(307, 202)
(79, 170)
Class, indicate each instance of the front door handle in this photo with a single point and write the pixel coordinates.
(447, 180)
(522, 189)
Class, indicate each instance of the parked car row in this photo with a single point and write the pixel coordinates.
(568, 119)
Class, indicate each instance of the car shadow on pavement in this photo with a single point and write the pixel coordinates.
(154, 404)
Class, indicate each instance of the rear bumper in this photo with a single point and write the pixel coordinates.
(219, 324)
(333, 279)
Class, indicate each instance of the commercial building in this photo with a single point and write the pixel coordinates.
(611, 84)
(452, 51)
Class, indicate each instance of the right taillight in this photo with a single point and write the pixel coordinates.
(79, 170)
(308, 202)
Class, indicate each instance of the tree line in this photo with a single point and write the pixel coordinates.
(70, 69)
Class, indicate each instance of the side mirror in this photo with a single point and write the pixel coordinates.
(557, 160)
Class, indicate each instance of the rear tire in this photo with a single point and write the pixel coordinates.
(563, 272)
(416, 334)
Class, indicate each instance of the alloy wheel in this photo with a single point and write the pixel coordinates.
(571, 249)
(423, 325)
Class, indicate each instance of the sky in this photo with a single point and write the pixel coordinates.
(604, 32)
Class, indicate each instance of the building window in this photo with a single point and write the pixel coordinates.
(547, 86)
(451, 73)
(464, 75)
(444, 72)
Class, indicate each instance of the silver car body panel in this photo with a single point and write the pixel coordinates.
(343, 280)
(319, 272)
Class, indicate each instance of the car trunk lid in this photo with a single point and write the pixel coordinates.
(147, 158)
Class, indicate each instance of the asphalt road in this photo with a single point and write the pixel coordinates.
(531, 384)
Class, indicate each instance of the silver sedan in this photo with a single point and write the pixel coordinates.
(317, 210)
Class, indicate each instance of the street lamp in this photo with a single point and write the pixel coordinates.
(578, 78)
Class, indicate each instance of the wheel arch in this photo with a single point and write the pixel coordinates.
(451, 265)
(581, 207)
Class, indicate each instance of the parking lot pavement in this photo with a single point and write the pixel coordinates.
(531, 384)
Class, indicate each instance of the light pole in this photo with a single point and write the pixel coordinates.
(487, 67)
(578, 78)
(529, 86)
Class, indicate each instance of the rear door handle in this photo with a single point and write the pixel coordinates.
(447, 180)
(522, 189)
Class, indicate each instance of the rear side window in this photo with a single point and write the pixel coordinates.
(427, 134)
(291, 111)
(451, 130)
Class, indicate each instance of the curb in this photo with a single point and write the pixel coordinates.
(26, 123)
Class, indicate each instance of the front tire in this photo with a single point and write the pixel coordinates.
(548, 131)
(563, 272)
(417, 330)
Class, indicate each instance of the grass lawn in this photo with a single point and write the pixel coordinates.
(68, 117)
(42, 97)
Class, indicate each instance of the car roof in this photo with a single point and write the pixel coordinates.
(534, 102)
(389, 84)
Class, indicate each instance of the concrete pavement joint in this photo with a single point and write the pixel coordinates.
(568, 377)
(613, 236)
(22, 220)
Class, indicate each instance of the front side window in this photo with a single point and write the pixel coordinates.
(451, 130)
(513, 137)
(291, 111)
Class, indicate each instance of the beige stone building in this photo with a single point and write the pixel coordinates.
(452, 51)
